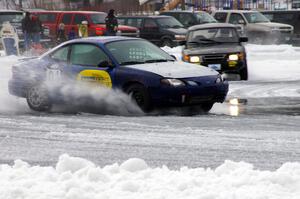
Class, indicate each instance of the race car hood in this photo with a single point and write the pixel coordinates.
(175, 69)
(215, 49)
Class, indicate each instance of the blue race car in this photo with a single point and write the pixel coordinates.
(149, 75)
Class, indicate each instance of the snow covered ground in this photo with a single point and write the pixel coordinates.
(274, 72)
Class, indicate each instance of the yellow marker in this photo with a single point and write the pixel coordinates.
(95, 77)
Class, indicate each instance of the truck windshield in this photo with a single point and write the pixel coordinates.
(256, 17)
(204, 17)
(169, 22)
(213, 36)
(98, 18)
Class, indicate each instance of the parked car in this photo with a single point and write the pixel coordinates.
(256, 26)
(71, 19)
(160, 30)
(291, 17)
(15, 17)
(190, 18)
(217, 46)
(151, 76)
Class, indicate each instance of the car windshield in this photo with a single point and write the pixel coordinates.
(213, 36)
(203, 17)
(169, 22)
(98, 18)
(137, 52)
(256, 17)
(11, 17)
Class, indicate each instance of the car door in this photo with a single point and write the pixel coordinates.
(90, 64)
(150, 30)
(56, 64)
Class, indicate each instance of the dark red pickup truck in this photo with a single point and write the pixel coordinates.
(96, 22)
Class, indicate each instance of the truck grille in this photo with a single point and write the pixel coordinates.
(286, 30)
(217, 58)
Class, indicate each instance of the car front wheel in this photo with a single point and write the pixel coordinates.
(38, 99)
(140, 96)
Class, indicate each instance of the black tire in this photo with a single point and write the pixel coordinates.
(167, 42)
(38, 99)
(140, 95)
(244, 74)
(206, 107)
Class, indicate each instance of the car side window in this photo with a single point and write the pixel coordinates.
(67, 19)
(186, 19)
(236, 19)
(79, 18)
(150, 23)
(122, 21)
(87, 55)
(61, 54)
(221, 17)
(134, 22)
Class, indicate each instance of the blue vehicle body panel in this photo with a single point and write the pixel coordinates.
(31, 72)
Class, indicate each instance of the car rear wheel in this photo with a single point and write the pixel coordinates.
(38, 99)
(140, 96)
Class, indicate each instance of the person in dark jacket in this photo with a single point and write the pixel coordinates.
(26, 29)
(111, 23)
(37, 29)
(61, 35)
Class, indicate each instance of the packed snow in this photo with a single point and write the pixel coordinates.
(77, 178)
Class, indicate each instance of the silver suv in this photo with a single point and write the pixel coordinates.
(256, 26)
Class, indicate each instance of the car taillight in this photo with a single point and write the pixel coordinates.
(100, 31)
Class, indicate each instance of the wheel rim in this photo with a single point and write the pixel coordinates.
(35, 97)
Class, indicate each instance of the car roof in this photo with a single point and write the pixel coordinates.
(103, 39)
(183, 11)
(11, 11)
(211, 25)
(145, 16)
(236, 11)
(280, 11)
(62, 11)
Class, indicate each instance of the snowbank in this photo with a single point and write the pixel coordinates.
(77, 178)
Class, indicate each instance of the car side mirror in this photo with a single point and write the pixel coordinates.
(105, 64)
(243, 39)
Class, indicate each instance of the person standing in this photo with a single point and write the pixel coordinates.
(37, 29)
(9, 39)
(61, 35)
(26, 29)
(111, 23)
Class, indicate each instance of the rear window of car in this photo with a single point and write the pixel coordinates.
(11, 17)
(221, 17)
(48, 17)
(98, 18)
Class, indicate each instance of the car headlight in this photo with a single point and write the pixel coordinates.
(233, 57)
(173, 82)
(220, 79)
(180, 37)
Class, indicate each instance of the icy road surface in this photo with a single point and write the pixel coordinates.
(264, 132)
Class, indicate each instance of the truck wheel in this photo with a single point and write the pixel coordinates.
(140, 95)
(205, 107)
(244, 74)
(38, 99)
(167, 42)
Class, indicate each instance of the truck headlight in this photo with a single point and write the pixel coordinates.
(173, 82)
(233, 57)
(195, 59)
